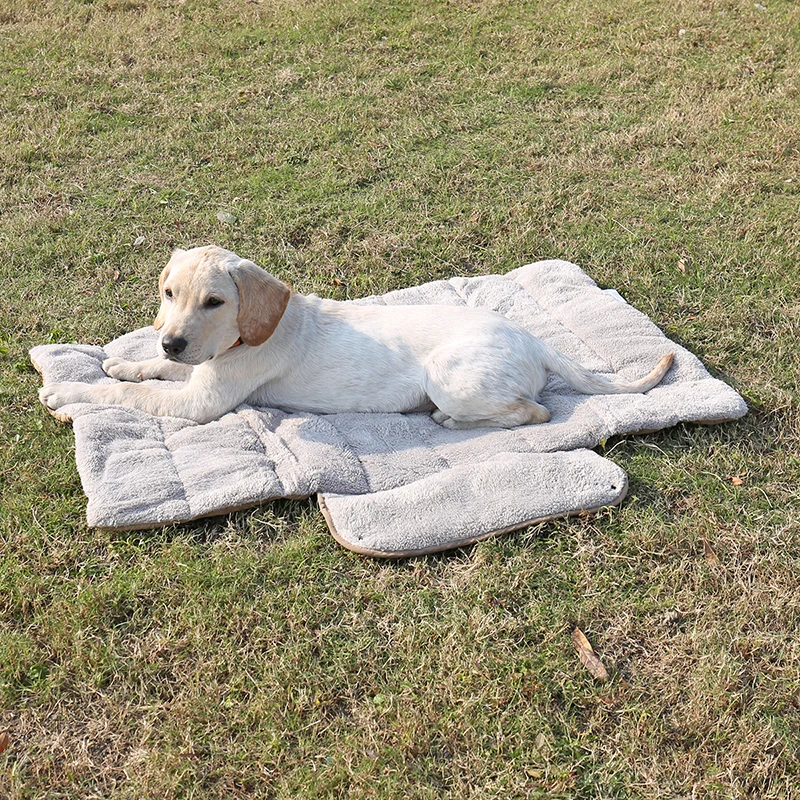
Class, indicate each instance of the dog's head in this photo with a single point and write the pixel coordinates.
(211, 299)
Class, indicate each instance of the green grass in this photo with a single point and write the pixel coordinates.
(363, 147)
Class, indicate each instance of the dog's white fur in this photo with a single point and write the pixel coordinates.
(472, 368)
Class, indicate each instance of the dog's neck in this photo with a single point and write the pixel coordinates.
(282, 350)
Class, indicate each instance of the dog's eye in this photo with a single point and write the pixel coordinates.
(167, 292)
(214, 301)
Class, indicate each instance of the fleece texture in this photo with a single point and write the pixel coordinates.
(398, 484)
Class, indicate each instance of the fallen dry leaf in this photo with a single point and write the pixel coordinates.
(533, 772)
(587, 656)
(708, 552)
(736, 481)
(3, 741)
(682, 266)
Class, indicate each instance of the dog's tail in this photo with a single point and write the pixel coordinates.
(585, 382)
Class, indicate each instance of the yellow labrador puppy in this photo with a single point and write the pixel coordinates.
(234, 333)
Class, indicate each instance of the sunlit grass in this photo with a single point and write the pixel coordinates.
(363, 147)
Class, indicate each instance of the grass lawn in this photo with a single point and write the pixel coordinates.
(357, 147)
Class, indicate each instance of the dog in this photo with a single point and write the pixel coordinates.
(234, 333)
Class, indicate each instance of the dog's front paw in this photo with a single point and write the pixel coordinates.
(122, 370)
(56, 395)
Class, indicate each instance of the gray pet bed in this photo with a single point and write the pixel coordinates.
(397, 484)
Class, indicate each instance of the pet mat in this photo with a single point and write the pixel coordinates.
(397, 484)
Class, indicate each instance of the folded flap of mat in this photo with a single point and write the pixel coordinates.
(464, 504)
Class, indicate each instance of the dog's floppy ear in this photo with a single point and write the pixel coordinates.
(262, 301)
(159, 320)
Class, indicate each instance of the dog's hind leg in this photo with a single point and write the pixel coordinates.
(524, 412)
(485, 387)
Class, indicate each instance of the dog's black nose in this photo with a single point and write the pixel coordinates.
(173, 345)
